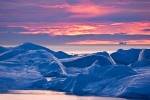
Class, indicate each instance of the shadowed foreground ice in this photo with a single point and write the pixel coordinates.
(124, 73)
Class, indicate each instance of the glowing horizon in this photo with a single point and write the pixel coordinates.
(90, 42)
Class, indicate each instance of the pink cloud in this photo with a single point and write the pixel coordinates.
(81, 28)
(87, 9)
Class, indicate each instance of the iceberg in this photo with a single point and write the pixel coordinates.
(47, 64)
(141, 63)
(3, 49)
(124, 73)
(135, 87)
(108, 71)
(31, 46)
(14, 76)
(143, 59)
(144, 54)
(87, 60)
(10, 54)
(126, 56)
(62, 55)
(107, 80)
(76, 84)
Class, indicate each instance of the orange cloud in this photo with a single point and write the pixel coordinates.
(87, 9)
(83, 9)
(82, 28)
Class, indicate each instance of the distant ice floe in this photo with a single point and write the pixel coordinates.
(124, 73)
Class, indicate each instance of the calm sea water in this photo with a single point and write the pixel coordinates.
(48, 95)
(85, 49)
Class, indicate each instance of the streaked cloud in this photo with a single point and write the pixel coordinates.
(45, 39)
(62, 18)
(146, 30)
(75, 28)
(87, 9)
(74, 10)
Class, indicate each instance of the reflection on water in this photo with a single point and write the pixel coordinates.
(47, 95)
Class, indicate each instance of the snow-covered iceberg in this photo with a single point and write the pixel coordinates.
(76, 83)
(18, 76)
(87, 60)
(3, 49)
(116, 80)
(26, 66)
(11, 54)
(124, 73)
(144, 54)
(135, 86)
(31, 46)
(143, 59)
(126, 56)
(46, 63)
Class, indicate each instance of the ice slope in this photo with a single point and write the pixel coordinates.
(108, 71)
(115, 80)
(10, 54)
(136, 87)
(31, 46)
(126, 56)
(141, 63)
(2, 49)
(87, 60)
(144, 54)
(123, 74)
(129, 85)
(62, 55)
(47, 64)
(143, 59)
(75, 84)
(18, 76)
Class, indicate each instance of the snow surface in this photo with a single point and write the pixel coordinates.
(46, 63)
(124, 73)
(17, 76)
(3, 49)
(145, 53)
(126, 56)
(87, 60)
(31, 46)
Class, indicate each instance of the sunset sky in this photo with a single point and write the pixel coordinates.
(74, 21)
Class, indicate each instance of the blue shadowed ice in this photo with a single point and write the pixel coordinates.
(124, 73)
